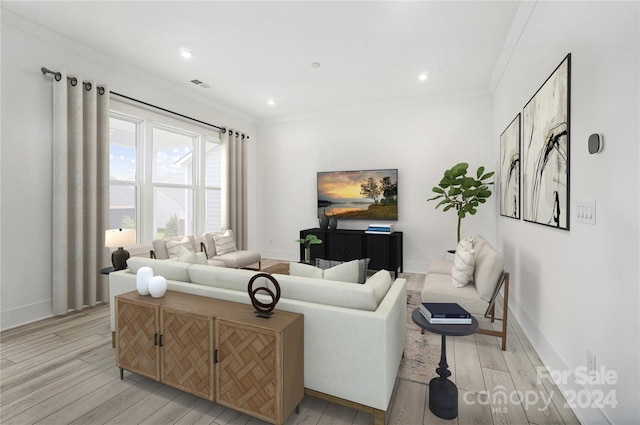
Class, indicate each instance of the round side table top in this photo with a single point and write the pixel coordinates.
(452, 330)
(107, 270)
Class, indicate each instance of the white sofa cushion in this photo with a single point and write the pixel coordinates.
(237, 259)
(438, 289)
(224, 242)
(306, 270)
(381, 282)
(328, 292)
(221, 277)
(170, 270)
(463, 263)
(489, 266)
(345, 272)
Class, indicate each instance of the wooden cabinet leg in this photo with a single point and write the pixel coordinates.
(121, 374)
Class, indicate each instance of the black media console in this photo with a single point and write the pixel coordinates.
(384, 250)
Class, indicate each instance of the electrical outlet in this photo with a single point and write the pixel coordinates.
(591, 363)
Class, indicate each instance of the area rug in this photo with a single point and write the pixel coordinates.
(421, 352)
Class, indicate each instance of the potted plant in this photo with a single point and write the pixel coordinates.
(465, 194)
(308, 241)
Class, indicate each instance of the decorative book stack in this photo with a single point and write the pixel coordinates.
(445, 314)
(381, 229)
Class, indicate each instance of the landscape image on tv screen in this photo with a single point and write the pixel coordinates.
(361, 195)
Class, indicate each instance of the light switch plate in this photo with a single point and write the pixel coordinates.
(586, 212)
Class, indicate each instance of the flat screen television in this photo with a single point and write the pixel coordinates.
(359, 195)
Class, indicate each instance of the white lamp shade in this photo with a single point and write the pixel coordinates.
(119, 238)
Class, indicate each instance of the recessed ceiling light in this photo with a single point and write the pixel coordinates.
(187, 54)
(315, 64)
(271, 102)
(423, 77)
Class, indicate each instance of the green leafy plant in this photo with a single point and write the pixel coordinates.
(309, 240)
(465, 194)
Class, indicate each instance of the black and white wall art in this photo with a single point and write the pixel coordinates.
(545, 149)
(510, 170)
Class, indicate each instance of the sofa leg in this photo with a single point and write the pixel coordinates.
(379, 417)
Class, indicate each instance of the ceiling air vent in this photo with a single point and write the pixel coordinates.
(201, 84)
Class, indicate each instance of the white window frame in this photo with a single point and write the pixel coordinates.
(147, 119)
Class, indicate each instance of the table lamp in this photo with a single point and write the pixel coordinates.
(119, 238)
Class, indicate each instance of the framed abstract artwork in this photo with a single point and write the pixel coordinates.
(510, 170)
(545, 149)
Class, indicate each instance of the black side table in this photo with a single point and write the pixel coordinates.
(443, 394)
(107, 270)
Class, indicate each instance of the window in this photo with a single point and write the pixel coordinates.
(165, 174)
(124, 132)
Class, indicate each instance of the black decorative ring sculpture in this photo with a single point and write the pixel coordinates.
(264, 309)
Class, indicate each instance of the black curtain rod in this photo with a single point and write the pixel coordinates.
(74, 81)
(222, 129)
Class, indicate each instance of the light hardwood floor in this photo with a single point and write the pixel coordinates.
(62, 371)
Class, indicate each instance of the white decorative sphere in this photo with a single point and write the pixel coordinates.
(157, 286)
(142, 280)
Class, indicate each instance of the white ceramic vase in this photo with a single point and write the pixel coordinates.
(142, 280)
(157, 286)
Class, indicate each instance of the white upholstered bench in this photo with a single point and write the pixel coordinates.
(479, 296)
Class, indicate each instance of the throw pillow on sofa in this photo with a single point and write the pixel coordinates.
(192, 257)
(224, 242)
(345, 272)
(381, 282)
(363, 265)
(209, 244)
(174, 248)
(463, 263)
(305, 270)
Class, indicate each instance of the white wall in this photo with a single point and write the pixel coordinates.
(26, 219)
(578, 290)
(420, 138)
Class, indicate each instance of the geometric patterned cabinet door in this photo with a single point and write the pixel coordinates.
(218, 350)
(137, 348)
(248, 369)
(187, 354)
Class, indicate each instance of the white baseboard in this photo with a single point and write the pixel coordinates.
(552, 360)
(26, 314)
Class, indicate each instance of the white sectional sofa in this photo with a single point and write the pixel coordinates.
(354, 334)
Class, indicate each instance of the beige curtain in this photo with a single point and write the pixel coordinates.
(80, 194)
(234, 209)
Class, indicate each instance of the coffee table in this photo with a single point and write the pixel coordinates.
(443, 393)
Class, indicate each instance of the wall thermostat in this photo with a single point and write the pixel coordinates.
(595, 143)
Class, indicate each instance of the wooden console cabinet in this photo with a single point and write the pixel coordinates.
(218, 350)
(385, 251)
